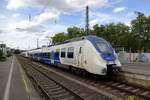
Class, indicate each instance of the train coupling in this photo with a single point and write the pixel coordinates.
(113, 69)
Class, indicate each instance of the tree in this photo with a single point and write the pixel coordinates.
(17, 51)
(1, 53)
(115, 33)
(99, 30)
(75, 32)
(141, 30)
(137, 36)
(2, 57)
(60, 37)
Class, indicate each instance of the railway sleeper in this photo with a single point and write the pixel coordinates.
(128, 88)
(47, 83)
(121, 86)
(145, 93)
(135, 90)
(50, 85)
(54, 88)
(62, 95)
(67, 98)
(70, 98)
(57, 92)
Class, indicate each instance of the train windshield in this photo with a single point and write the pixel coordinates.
(104, 48)
(100, 44)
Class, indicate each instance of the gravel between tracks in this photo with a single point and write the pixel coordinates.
(83, 90)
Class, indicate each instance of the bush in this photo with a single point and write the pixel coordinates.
(2, 58)
(1, 53)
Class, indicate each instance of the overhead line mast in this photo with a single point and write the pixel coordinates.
(37, 42)
(87, 20)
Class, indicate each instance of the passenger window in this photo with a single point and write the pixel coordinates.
(63, 52)
(48, 54)
(70, 53)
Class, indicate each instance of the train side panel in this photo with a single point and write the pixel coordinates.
(93, 62)
(83, 54)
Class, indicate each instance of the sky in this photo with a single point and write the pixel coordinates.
(23, 22)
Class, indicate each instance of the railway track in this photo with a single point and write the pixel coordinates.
(122, 89)
(57, 88)
(52, 89)
(119, 89)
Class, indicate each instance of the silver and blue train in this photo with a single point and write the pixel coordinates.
(90, 53)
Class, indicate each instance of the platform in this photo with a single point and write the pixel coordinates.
(139, 68)
(138, 73)
(13, 82)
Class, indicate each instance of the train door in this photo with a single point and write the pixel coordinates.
(52, 57)
(56, 57)
(80, 57)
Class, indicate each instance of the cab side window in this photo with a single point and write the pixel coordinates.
(48, 54)
(80, 50)
(70, 53)
(63, 52)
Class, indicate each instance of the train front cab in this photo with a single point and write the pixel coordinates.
(107, 53)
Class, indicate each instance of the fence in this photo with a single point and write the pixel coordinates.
(132, 57)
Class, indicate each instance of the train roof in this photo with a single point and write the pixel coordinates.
(88, 37)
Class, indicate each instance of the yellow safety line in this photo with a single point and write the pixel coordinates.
(24, 80)
(131, 98)
(25, 83)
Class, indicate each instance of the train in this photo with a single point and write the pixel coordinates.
(89, 53)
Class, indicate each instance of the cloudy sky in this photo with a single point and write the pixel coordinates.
(23, 21)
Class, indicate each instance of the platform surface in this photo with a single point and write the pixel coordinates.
(141, 68)
(12, 86)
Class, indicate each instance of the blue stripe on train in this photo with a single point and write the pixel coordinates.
(54, 58)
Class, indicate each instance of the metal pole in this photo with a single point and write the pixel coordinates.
(37, 42)
(29, 17)
(87, 20)
(139, 14)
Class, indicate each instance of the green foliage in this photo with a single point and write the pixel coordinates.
(17, 51)
(60, 37)
(72, 32)
(1, 53)
(75, 32)
(141, 30)
(2, 58)
(118, 34)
